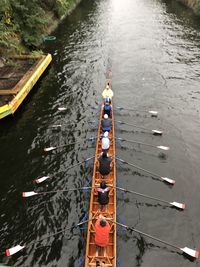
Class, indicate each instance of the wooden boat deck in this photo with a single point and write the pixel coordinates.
(107, 255)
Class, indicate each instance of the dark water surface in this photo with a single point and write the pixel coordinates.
(153, 50)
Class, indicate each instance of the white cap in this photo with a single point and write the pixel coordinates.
(105, 116)
(105, 134)
(105, 143)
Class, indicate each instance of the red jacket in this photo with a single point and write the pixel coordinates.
(102, 234)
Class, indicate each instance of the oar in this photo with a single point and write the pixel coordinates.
(13, 250)
(33, 193)
(175, 204)
(56, 126)
(158, 132)
(60, 125)
(42, 179)
(166, 179)
(140, 143)
(72, 93)
(190, 252)
(152, 112)
(47, 149)
(65, 124)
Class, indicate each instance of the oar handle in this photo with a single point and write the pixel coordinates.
(153, 237)
(135, 142)
(138, 167)
(61, 231)
(64, 190)
(145, 234)
(139, 127)
(142, 195)
(80, 163)
(69, 144)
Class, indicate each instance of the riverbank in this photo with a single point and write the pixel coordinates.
(193, 4)
(23, 27)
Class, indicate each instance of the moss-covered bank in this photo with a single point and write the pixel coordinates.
(193, 4)
(24, 23)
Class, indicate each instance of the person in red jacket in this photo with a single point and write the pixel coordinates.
(102, 230)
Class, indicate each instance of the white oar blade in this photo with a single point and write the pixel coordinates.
(47, 149)
(163, 147)
(157, 132)
(62, 108)
(168, 180)
(153, 112)
(11, 251)
(56, 126)
(29, 194)
(42, 179)
(178, 205)
(191, 252)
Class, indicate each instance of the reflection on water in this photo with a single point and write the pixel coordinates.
(152, 48)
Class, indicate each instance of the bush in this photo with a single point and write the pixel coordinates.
(26, 21)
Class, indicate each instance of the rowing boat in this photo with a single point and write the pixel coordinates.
(106, 255)
(94, 253)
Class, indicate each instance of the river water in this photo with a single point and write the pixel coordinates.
(152, 48)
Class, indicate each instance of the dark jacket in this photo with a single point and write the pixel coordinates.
(105, 124)
(104, 165)
(103, 195)
(107, 109)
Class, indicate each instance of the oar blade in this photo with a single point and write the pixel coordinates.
(120, 108)
(11, 251)
(42, 179)
(62, 108)
(178, 205)
(153, 112)
(29, 194)
(163, 147)
(191, 252)
(47, 149)
(168, 180)
(56, 126)
(157, 132)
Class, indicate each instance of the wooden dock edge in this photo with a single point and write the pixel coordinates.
(25, 85)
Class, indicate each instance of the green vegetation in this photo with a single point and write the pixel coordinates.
(24, 23)
(197, 7)
(193, 4)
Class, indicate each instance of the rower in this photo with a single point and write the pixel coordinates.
(105, 142)
(106, 123)
(107, 107)
(104, 164)
(107, 92)
(103, 194)
(102, 230)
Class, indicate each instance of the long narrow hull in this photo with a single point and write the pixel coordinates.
(94, 254)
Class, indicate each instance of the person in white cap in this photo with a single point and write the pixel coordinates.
(105, 142)
(106, 123)
(107, 92)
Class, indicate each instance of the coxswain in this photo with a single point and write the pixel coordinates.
(103, 193)
(107, 92)
(104, 164)
(106, 123)
(102, 230)
(105, 142)
(107, 107)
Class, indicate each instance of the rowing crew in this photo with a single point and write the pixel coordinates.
(102, 227)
